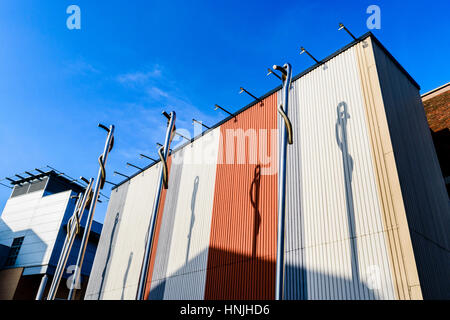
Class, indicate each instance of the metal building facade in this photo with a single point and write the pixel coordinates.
(242, 248)
(182, 254)
(335, 235)
(356, 207)
(100, 271)
(121, 247)
(37, 218)
(33, 228)
(422, 184)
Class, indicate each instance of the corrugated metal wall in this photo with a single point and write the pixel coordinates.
(402, 263)
(157, 231)
(422, 184)
(167, 217)
(125, 262)
(346, 234)
(181, 258)
(335, 247)
(107, 243)
(241, 258)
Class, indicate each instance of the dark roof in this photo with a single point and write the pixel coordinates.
(38, 175)
(301, 74)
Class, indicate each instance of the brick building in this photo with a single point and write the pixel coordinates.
(437, 108)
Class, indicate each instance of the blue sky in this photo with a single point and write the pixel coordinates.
(132, 59)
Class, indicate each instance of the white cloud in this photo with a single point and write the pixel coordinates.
(142, 117)
(140, 77)
(157, 93)
(80, 67)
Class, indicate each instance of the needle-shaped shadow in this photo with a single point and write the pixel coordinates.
(254, 199)
(108, 256)
(347, 161)
(191, 225)
(130, 259)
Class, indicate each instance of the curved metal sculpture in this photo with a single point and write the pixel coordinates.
(163, 181)
(286, 137)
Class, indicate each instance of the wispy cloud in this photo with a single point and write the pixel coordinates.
(139, 77)
(157, 93)
(141, 118)
(80, 67)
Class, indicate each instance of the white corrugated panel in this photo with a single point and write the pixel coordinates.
(106, 245)
(335, 246)
(126, 260)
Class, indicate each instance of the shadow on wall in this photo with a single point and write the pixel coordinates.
(108, 256)
(347, 163)
(167, 220)
(247, 278)
(239, 276)
(191, 225)
(130, 259)
(254, 199)
(13, 285)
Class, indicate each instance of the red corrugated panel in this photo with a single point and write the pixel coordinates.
(156, 237)
(242, 253)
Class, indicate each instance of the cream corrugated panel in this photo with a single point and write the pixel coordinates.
(335, 244)
(187, 252)
(126, 260)
(106, 244)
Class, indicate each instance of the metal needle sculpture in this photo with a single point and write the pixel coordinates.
(286, 137)
(73, 228)
(99, 184)
(163, 181)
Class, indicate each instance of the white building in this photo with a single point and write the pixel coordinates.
(32, 233)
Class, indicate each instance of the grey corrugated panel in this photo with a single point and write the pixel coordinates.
(422, 184)
(335, 235)
(186, 284)
(20, 190)
(180, 267)
(105, 248)
(165, 235)
(435, 272)
(38, 186)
